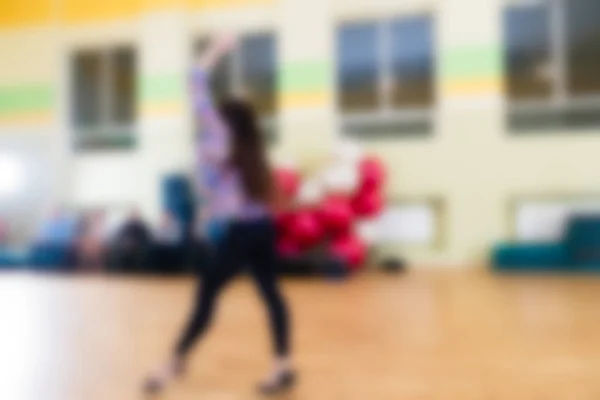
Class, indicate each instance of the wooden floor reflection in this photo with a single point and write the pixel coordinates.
(426, 335)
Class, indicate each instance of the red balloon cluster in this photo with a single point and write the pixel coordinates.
(350, 249)
(288, 248)
(372, 173)
(331, 222)
(286, 245)
(298, 231)
(287, 182)
(368, 201)
(306, 229)
(336, 215)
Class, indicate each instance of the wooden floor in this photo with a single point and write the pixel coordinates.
(430, 335)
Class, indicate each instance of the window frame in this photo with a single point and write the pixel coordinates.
(386, 112)
(514, 204)
(560, 99)
(438, 208)
(106, 131)
(235, 73)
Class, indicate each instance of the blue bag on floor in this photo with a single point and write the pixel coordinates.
(216, 230)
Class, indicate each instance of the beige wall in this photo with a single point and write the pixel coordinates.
(471, 164)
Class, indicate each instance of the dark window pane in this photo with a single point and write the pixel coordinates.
(583, 41)
(358, 67)
(527, 52)
(86, 85)
(201, 46)
(412, 55)
(122, 86)
(221, 82)
(221, 75)
(258, 63)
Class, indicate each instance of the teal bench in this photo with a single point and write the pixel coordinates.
(579, 250)
(13, 259)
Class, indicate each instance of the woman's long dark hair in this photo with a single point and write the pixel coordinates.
(248, 149)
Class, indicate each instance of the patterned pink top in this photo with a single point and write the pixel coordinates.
(219, 186)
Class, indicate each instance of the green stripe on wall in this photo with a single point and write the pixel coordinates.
(160, 88)
(305, 76)
(471, 62)
(25, 98)
(461, 63)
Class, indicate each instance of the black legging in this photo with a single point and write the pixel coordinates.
(249, 244)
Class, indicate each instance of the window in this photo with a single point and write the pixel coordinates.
(386, 75)
(583, 47)
(546, 220)
(103, 97)
(528, 57)
(13, 175)
(409, 224)
(358, 67)
(251, 70)
(552, 55)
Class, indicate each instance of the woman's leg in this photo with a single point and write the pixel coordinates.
(264, 273)
(263, 269)
(220, 267)
(214, 278)
(206, 298)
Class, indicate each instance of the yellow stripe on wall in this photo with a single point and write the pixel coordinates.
(287, 101)
(471, 87)
(79, 11)
(18, 13)
(21, 13)
(305, 99)
(162, 109)
(34, 118)
(206, 4)
(152, 5)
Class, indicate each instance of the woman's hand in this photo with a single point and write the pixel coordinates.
(219, 46)
(225, 42)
